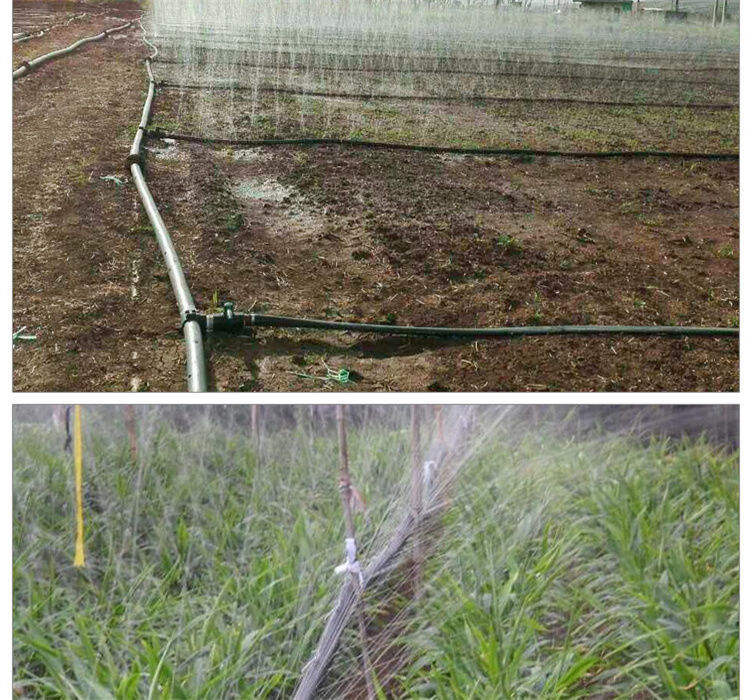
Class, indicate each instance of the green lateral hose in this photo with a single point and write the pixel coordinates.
(254, 143)
(237, 322)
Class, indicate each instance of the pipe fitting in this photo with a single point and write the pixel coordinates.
(218, 323)
(134, 159)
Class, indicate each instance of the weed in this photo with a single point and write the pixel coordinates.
(331, 312)
(509, 243)
(234, 222)
(536, 318)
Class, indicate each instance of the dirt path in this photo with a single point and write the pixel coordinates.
(88, 278)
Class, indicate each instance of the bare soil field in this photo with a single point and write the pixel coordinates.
(360, 235)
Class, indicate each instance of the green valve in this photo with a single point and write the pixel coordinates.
(228, 310)
(342, 376)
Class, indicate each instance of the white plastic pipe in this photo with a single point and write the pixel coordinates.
(195, 359)
(28, 66)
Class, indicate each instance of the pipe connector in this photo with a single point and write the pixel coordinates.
(226, 322)
(134, 159)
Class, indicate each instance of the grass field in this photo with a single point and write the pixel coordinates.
(562, 568)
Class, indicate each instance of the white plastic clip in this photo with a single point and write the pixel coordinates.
(351, 565)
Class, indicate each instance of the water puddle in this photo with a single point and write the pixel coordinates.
(169, 151)
(267, 190)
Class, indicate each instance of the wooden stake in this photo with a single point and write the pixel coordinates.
(254, 423)
(131, 428)
(716, 12)
(130, 422)
(345, 490)
(417, 479)
(439, 422)
(68, 447)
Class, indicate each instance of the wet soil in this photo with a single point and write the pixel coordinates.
(420, 239)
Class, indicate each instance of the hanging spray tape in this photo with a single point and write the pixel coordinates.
(351, 565)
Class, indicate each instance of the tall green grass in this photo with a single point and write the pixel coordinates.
(562, 569)
(607, 573)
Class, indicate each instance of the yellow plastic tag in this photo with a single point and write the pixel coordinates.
(80, 559)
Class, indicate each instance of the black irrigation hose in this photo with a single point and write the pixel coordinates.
(448, 98)
(302, 52)
(239, 322)
(486, 74)
(510, 331)
(27, 66)
(562, 62)
(254, 143)
(524, 44)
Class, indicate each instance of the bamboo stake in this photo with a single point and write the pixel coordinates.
(381, 563)
(131, 428)
(345, 490)
(439, 422)
(723, 11)
(141, 466)
(716, 11)
(68, 447)
(417, 478)
(254, 423)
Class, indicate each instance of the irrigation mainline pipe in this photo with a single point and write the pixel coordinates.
(195, 359)
(447, 98)
(27, 66)
(254, 143)
(236, 322)
(25, 36)
(36, 33)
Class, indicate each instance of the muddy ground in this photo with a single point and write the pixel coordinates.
(331, 232)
